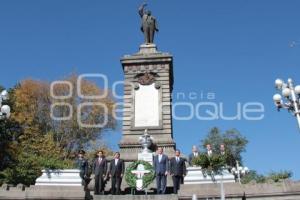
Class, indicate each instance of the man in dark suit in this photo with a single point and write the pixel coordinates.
(83, 166)
(194, 154)
(209, 150)
(116, 172)
(177, 170)
(100, 171)
(161, 167)
(226, 154)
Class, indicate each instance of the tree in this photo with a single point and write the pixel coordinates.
(214, 138)
(255, 177)
(9, 131)
(30, 157)
(36, 140)
(70, 134)
(234, 142)
(28, 148)
(279, 176)
(33, 103)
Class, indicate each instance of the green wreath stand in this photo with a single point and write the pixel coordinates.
(148, 178)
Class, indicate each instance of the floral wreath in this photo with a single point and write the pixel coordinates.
(147, 178)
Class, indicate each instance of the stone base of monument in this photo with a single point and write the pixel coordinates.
(125, 188)
(66, 177)
(195, 176)
(285, 190)
(55, 192)
(136, 197)
(148, 49)
(148, 157)
(57, 184)
(43, 193)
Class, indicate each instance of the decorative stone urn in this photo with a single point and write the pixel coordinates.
(146, 141)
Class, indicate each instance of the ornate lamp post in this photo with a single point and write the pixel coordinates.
(5, 109)
(239, 171)
(292, 96)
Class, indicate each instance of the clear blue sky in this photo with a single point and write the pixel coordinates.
(235, 49)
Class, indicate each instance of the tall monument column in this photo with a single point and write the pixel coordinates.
(147, 100)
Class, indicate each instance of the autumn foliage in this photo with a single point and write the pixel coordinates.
(37, 138)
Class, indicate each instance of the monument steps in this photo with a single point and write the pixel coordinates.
(126, 190)
(135, 197)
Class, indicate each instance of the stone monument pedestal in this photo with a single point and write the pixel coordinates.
(147, 101)
(148, 157)
(196, 176)
(65, 177)
(148, 49)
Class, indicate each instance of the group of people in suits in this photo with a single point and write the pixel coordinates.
(103, 172)
(209, 151)
(163, 166)
(115, 172)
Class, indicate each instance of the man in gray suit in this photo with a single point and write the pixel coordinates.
(177, 170)
(161, 167)
(194, 154)
(149, 24)
(100, 170)
(209, 150)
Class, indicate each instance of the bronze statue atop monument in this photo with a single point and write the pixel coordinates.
(149, 24)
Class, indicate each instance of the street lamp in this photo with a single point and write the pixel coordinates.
(292, 96)
(239, 171)
(5, 109)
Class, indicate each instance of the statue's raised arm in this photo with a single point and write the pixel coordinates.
(142, 9)
(149, 24)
